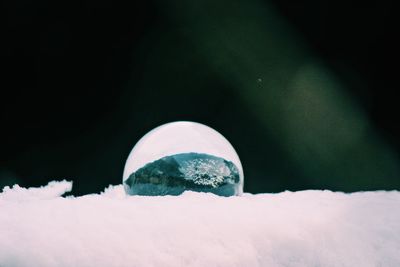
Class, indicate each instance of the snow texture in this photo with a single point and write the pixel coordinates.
(39, 227)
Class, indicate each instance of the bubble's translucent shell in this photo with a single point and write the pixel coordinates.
(182, 156)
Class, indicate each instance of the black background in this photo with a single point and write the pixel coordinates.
(76, 96)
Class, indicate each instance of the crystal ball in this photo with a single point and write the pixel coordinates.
(180, 156)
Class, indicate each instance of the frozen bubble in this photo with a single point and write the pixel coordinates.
(180, 156)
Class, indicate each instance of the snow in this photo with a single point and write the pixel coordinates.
(39, 227)
(180, 137)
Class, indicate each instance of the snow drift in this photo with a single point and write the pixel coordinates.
(39, 227)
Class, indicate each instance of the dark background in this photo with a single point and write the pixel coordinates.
(304, 90)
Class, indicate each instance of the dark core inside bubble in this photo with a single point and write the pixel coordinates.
(172, 175)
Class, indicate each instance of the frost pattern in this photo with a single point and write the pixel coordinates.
(205, 171)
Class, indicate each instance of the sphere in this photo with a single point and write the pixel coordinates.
(180, 156)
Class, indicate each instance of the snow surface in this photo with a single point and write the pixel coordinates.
(39, 227)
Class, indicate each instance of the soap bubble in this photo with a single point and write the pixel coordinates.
(180, 156)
